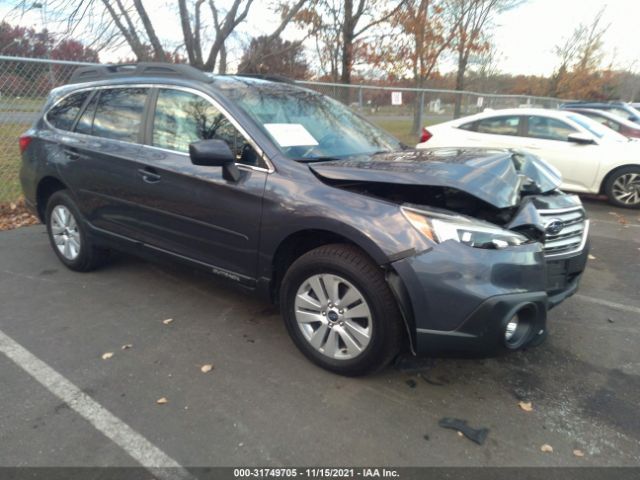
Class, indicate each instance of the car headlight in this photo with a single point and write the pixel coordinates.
(440, 227)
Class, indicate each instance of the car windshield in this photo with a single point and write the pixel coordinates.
(597, 129)
(307, 126)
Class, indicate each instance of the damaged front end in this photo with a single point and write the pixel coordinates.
(507, 245)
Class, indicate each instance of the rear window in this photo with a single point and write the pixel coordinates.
(118, 114)
(64, 114)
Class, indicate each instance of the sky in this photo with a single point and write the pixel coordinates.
(524, 36)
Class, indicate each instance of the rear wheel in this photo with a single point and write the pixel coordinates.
(340, 312)
(623, 187)
(68, 235)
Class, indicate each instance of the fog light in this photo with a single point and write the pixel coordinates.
(512, 326)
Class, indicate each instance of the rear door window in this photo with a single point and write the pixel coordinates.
(64, 114)
(118, 114)
(507, 125)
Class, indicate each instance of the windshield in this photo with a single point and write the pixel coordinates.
(307, 126)
(597, 129)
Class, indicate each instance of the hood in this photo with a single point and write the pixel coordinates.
(495, 176)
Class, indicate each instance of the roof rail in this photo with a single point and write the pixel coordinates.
(272, 77)
(148, 69)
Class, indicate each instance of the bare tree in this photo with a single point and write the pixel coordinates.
(204, 25)
(339, 25)
(473, 19)
(580, 56)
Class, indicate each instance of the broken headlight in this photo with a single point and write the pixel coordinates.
(438, 227)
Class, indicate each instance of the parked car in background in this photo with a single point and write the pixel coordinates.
(369, 248)
(622, 109)
(614, 122)
(592, 158)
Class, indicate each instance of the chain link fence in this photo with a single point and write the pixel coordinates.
(26, 82)
(404, 111)
(24, 86)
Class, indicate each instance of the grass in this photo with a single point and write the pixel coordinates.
(10, 190)
(400, 128)
(21, 104)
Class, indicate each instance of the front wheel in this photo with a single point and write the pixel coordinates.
(340, 312)
(623, 187)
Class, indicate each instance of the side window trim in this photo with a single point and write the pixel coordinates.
(82, 109)
(96, 90)
(149, 117)
(85, 105)
(149, 121)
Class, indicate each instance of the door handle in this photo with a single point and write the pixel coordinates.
(149, 175)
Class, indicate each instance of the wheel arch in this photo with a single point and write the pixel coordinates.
(47, 186)
(612, 172)
(300, 242)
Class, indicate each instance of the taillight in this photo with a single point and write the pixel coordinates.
(426, 135)
(24, 142)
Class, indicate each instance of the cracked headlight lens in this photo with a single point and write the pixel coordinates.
(440, 227)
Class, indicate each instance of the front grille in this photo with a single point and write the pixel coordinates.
(572, 237)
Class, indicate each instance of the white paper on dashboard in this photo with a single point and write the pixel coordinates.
(291, 134)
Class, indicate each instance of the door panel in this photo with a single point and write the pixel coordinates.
(192, 211)
(578, 163)
(102, 157)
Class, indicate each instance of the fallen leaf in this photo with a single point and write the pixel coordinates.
(546, 448)
(162, 401)
(591, 257)
(167, 321)
(127, 346)
(15, 215)
(206, 368)
(578, 453)
(526, 406)
(107, 355)
(460, 434)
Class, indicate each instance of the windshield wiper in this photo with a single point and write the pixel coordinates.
(318, 159)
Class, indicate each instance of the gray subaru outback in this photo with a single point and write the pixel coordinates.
(370, 248)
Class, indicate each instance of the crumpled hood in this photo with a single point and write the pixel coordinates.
(495, 176)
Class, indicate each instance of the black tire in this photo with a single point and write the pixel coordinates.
(351, 264)
(89, 257)
(609, 187)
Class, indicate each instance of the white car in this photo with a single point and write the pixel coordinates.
(591, 157)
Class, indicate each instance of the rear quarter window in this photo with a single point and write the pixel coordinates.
(64, 113)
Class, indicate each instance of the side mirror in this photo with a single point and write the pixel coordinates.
(580, 139)
(215, 153)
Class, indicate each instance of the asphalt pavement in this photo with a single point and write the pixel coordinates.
(263, 403)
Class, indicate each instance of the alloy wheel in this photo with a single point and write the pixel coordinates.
(626, 189)
(333, 316)
(65, 233)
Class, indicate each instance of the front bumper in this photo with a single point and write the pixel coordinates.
(460, 299)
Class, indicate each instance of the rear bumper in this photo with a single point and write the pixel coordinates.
(460, 299)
